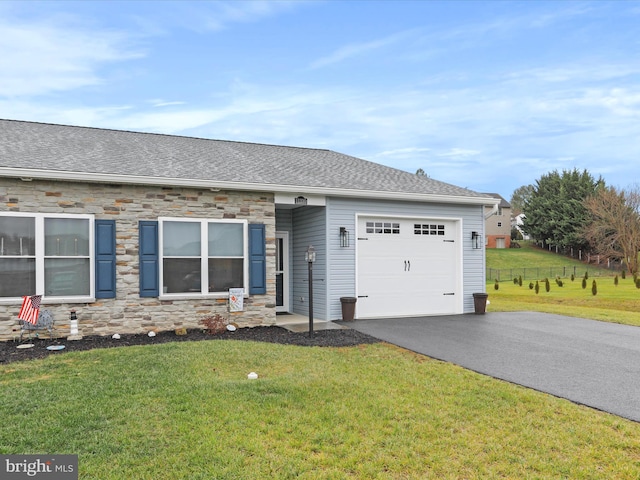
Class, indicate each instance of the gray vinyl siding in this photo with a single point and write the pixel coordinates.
(341, 261)
(309, 225)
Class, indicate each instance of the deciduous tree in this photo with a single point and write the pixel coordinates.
(614, 231)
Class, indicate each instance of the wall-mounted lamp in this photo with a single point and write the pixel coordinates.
(475, 240)
(344, 237)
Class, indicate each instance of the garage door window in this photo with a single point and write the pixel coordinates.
(383, 228)
(428, 229)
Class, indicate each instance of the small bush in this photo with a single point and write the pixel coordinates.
(560, 283)
(537, 287)
(496, 285)
(584, 283)
(573, 277)
(594, 288)
(520, 280)
(615, 280)
(624, 274)
(515, 281)
(586, 275)
(530, 285)
(638, 283)
(547, 285)
(215, 324)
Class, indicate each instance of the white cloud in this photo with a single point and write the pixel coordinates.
(221, 14)
(357, 49)
(42, 57)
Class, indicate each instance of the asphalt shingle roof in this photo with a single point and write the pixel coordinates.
(61, 148)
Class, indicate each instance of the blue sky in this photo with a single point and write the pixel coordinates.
(484, 95)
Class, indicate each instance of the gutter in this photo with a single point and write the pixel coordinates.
(30, 174)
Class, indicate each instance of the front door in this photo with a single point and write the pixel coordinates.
(282, 271)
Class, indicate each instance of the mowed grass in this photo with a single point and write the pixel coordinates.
(619, 304)
(188, 411)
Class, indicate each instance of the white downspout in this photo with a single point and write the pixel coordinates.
(493, 211)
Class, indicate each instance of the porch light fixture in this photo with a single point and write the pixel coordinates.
(344, 237)
(475, 240)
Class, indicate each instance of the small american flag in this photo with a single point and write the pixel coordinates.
(30, 309)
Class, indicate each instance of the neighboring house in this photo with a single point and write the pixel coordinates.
(518, 224)
(140, 232)
(498, 224)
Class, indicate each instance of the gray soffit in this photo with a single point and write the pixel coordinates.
(59, 152)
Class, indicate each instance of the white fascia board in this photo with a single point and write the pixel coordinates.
(29, 174)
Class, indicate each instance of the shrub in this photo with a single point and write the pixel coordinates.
(496, 285)
(638, 283)
(594, 288)
(530, 285)
(515, 281)
(584, 283)
(615, 280)
(520, 280)
(573, 277)
(537, 287)
(560, 283)
(624, 274)
(214, 324)
(547, 285)
(586, 275)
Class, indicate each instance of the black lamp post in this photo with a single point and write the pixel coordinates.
(310, 257)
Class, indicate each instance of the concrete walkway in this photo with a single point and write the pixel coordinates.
(300, 323)
(588, 362)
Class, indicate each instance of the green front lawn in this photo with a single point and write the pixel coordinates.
(188, 411)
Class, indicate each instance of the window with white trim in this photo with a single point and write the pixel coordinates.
(202, 256)
(50, 254)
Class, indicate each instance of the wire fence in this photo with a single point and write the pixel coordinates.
(538, 273)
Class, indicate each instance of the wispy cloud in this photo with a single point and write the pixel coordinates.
(38, 58)
(222, 14)
(357, 49)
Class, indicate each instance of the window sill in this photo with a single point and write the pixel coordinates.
(49, 301)
(187, 296)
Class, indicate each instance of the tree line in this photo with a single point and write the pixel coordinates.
(572, 209)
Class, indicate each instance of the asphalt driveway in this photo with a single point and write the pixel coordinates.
(585, 361)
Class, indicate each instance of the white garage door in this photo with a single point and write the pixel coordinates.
(407, 267)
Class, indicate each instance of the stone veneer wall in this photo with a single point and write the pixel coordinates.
(128, 313)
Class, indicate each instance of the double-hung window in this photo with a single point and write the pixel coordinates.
(202, 256)
(50, 254)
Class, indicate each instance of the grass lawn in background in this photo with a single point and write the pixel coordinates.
(188, 411)
(619, 304)
(531, 257)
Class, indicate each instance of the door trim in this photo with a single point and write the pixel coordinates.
(286, 305)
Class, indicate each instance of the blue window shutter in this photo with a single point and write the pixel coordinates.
(149, 270)
(257, 260)
(105, 234)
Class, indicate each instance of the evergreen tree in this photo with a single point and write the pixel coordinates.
(555, 212)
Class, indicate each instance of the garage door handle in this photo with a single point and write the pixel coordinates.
(363, 296)
(452, 293)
